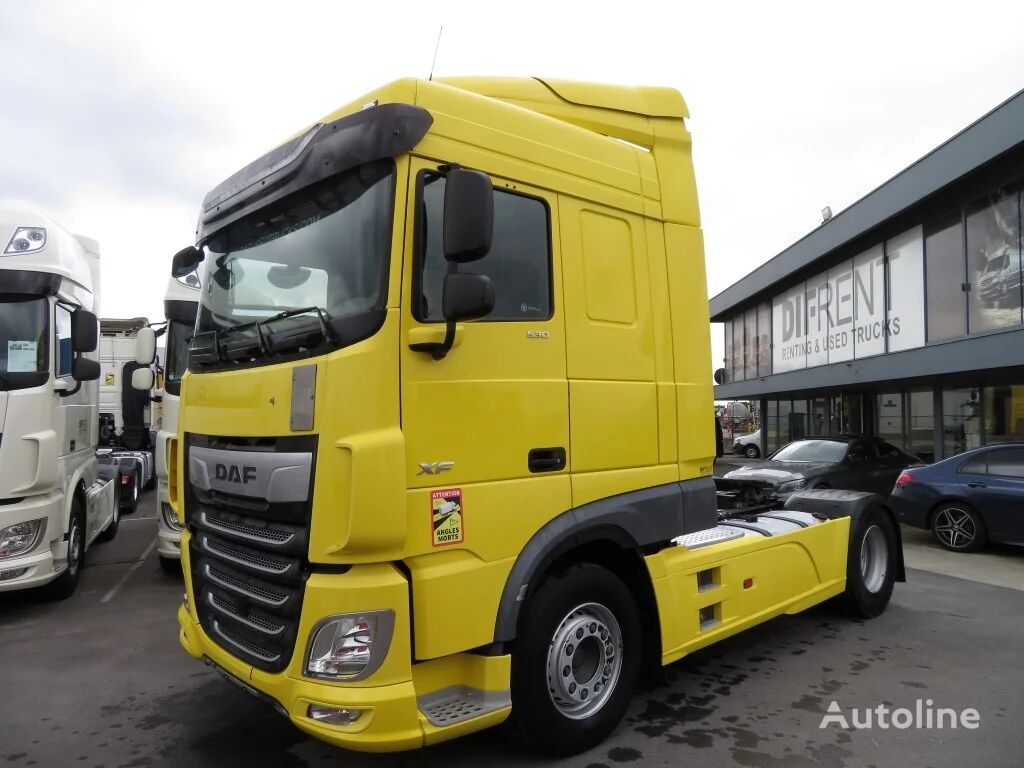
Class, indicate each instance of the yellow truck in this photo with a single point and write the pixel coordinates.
(444, 456)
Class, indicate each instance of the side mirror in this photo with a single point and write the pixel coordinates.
(466, 296)
(85, 331)
(468, 215)
(185, 261)
(145, 346)
(83, 369)
(142, 379)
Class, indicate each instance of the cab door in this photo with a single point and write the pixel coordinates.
(486, 428)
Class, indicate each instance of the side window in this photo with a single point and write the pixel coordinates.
(62, 340)
(976, 466)
(863, 450)
(519, 261)
(1007, 462)
(888, 450)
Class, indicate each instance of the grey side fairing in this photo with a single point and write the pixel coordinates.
(633, 521)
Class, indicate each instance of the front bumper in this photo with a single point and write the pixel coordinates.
(168, 540)
(390, 698)
(48, 558)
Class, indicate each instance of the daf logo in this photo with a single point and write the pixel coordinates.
(232, 473)
(436, 467)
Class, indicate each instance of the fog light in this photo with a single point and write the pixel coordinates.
(170, 516)
(350, 646)
(12, 573)
(334, 715)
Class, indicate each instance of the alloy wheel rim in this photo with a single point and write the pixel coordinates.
(874, 559)
(584, 661)
(955, 528)
(74, 543)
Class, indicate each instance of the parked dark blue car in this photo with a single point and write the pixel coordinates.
(967, 500)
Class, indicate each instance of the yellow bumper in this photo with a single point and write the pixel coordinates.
(391, 719)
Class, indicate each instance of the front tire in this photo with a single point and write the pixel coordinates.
(65, 585)
(871, 564)
(576, 661)
(958, 528)
(170, 567)
(752, 452)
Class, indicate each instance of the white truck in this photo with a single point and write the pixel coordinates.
(59, 491)
(181, 300)
(128, 416)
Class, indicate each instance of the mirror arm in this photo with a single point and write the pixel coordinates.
(70, 392)
(438, 349)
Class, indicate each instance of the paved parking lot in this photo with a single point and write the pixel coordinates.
(99, 681)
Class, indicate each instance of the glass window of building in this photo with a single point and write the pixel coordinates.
(945, 278)
(851, 415)
(785, 419)
(738, 371)
(820, 415)
(993, 263)
(750, 342)
(961, 420)
(764, 339)
(1004, 413)
(728, 362)
(889, 409)
(921, 423)
(771, 425)
(799, 420)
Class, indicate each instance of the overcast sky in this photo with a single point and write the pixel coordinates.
(117, 117)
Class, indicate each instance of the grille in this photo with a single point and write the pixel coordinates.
(248, 559)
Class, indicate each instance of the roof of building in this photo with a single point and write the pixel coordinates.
(985, 139)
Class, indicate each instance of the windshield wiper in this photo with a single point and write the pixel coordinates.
(323, 325)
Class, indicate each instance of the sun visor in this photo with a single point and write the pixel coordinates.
(324, 150)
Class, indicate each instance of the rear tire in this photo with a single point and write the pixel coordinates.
(576, 660)
(958, 528)
(752, 452)
(130, 493)
(871, 564)
(65, 585)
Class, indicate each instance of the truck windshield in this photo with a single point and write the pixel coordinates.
(24, 360)
(316, 258)
(179, 335)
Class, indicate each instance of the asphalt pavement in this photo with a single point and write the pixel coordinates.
(99, 681)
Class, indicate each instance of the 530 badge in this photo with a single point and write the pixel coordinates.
(446, 516)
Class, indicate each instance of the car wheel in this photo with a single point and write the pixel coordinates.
(752, 451)
(576, 661)
(958, 528)
(871, 564)
(170, 566)
(65, 585)
(111, 530)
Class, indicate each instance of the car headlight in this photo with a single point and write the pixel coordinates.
(791, 485)
(26, 240)
(170, 516)
(20, 538)
(351, 646)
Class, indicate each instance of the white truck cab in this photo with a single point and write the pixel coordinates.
(56, 496)
(181, 300)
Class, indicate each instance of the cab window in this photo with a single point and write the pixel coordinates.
(62, 340)
(519, 262)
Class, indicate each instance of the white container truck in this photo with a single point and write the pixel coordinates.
(181, 300)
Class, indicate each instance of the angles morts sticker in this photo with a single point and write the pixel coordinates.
(446, 516)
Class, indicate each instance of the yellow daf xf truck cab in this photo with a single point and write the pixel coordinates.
(444, 454)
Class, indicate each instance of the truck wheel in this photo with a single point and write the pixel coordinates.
(752, 451)
(871, 564)
(111, 530)
(130, 493)
(64, 585)
(576, 660)
(170, 567)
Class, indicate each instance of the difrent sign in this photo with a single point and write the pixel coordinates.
(846, 313)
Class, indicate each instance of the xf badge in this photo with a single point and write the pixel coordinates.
(435, 467)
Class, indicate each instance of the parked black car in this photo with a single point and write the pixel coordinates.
(967, 500)
(849, 462)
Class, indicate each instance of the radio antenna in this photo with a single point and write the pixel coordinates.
(436, 47)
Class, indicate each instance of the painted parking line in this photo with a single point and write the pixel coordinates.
(135, 566)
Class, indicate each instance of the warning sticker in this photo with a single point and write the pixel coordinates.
(108, 380)
(446, 516)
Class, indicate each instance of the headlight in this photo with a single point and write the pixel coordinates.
(26, 240)
(20, 538)
(170, 516)
(792, 485)
(351, 646)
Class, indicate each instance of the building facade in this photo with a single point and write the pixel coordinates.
(902, 315)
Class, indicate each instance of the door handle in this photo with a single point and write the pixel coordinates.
(976, 485)
(546, 459)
